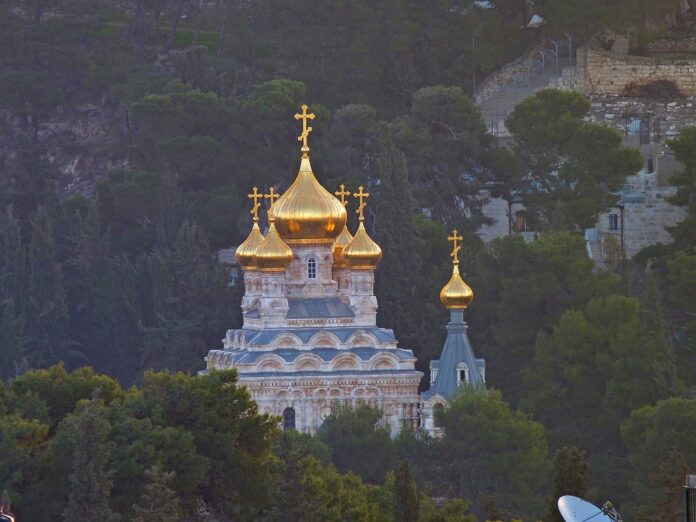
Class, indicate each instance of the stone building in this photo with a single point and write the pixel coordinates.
(640, 219)
(310, 337)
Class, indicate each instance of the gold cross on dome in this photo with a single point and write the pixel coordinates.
(305, 129)
(342, 194)
(455, 238)
(272, 195)
(255, 195)
(362, 196)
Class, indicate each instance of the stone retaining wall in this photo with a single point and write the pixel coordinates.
(599, 72)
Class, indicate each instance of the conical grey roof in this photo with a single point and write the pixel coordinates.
(457, 349)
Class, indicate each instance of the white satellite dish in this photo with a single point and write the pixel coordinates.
(574, 509)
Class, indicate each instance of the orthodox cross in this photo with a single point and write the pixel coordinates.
(342, 194)
(362, 196)
(272, 195)
(255, 195)
(455, 238)
(305, 130)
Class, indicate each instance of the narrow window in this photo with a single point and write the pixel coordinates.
(613, 222)
(289, 419)
(311, 268)
(438, 415)
(462, 374)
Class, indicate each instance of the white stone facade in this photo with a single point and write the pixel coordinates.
(310, 339)
(642, 218)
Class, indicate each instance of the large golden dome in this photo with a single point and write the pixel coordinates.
(246, 252)
(362, 253)
(307, 212)
(342, 240)
(456, 294)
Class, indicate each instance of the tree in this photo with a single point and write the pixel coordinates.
(158, 503)
(87, 431)
(405, 494)
(411, 245)
(660, 454)
(682, 277)
(685, 182)
(226, 429)
(569, 478)
(573, 167)
(358, 442)
(487, 450)
(521, 289)
(606, 361)
(444, 139)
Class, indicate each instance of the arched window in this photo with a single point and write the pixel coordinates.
(311, 268)
(438, 415)
(462, 374)
(289, 419)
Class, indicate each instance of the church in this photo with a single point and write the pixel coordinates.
(310, 337)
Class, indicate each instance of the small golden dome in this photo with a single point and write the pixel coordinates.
(342, 240)
(362, 253)
(273, 255)
(307, 212)
(456, 294)
(246, 252)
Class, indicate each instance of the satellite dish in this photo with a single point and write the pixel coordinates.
(574, 509)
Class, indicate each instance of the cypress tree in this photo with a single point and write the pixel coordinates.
(570, 478)
(405, 494)
(396, 233)
(90, 481)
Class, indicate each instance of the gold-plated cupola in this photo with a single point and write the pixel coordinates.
(345, 236)
(246, 252)
(272, 255)
(362, 253)
(456, 294)
(307, 212)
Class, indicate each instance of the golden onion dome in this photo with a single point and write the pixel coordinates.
(362, 253)
(307, 212)
(246, 252)
(342, 240)
(273, 255)
(456, 294)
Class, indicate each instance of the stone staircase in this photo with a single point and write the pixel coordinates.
(496, 109)
(500, 93)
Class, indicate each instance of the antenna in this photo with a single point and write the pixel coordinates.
(574, 509)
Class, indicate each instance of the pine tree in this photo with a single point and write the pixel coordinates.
(90, 482)
(405, 494)
(159, 503)
(570, 478)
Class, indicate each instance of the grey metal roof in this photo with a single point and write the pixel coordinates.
(323, 308)
(266, 337)
(315, 373)
(457, 350)
(326, 354)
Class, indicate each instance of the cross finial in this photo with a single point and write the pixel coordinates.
(255, 195)
(455, 238)
(342, 194)
(305, 130)
(272, 195)
(362, 196)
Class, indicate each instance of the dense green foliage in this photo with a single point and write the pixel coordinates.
(570, 167)
(195, 101)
